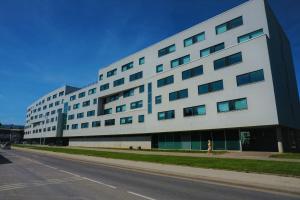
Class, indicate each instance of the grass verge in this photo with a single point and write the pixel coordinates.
(286, 155)
(157, 150)
(243, 165)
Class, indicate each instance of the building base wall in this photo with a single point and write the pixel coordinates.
(124, 142)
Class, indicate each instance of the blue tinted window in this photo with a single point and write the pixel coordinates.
(229, 25)
(136, 76)
(159, 68)
(194, 39)
(136, 104)
(212, 49)
(111, 73)
(141, 118)
(210, 87)
(104, 87)
(181, 94)
(250, 77)
(170, 114)
(231, 105)
(194, 111)
(228, 60)
(142, 61)
(166, 50)
(180, 61)
(119, 82)
(149, 98)
(126, 120)
(127, 66)
(190, 73)
(251, 35)
(158, 99)
(165, 81)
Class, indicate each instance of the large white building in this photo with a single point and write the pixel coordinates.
(229, 79)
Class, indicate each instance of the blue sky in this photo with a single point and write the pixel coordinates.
(45, 44)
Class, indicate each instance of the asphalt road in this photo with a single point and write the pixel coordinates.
(35, 176)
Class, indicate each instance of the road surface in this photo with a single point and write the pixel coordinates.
(25, 175)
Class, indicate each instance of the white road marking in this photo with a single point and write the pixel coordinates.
(69, 173)
(139, 195)
(99, 182)
(49, 166)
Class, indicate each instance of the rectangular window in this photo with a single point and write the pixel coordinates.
(165, 81)
(95, 101)
(159, 68)
(194, 39)
(96, 124)
(136, 104)
(127, 66)
(61, 93)
(194, 111)
(76, 106)
(80, 115)
(136, 76)
(141, 118)
(86, 103)
(149, 98)
(100, 77)
(193, 72)
(90, 113)
(56, 103)
(128, 93)
(236, 22)
(210, 87)
(141, 88)
(107, 111)
(92, 91)
(170, 114)
(228, 60)
(212, 49)
(104, 87)
(250, 77)
(180, 61)
(126, 120)
(121, 108)
(181, 94)
(158, 99)
(249, 36)
(109, 122)
(74, 126)
(50, 105)
(111, 73)
(82, 94)
(54, 96)
(142, 61)
(119, 82)
(166, 50)
(231, 105)
(72, 98)
(112, 98)
(85, 125)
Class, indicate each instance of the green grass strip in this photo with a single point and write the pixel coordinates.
(243, 165)
(286, 155)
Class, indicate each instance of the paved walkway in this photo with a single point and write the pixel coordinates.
(241, 179)
(232, 154)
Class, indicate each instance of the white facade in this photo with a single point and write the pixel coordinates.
(262, 104)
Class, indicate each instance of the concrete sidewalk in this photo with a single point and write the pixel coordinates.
(230, 154)
(255, 181)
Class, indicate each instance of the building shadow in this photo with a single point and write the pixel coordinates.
(4, 160)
